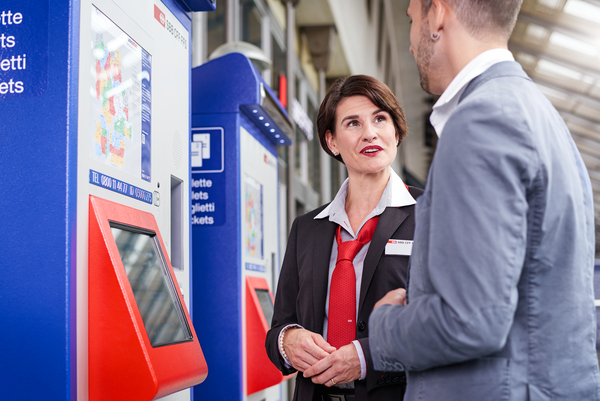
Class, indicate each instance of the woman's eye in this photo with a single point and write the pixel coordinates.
(379, 119)
(353, 123)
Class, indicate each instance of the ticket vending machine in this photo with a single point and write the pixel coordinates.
(97, 299)
(237, 125)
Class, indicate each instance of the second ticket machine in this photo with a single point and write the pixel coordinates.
(237, 125)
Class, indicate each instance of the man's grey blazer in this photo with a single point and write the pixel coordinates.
(501, 303)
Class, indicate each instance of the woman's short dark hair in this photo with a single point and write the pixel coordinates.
(358, 85)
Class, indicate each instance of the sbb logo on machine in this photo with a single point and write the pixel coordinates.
(171, 27)
(159, 15)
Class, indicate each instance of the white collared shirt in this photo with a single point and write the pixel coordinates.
(395, 194)
(447, 103)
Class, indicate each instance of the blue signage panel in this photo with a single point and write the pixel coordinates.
(208, 176)
(23, 48)
(105, 181)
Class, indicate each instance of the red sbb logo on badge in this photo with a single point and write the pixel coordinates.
(159, 15)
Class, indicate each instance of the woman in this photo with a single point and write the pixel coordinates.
(320, 323)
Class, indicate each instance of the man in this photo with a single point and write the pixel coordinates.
(500, 297)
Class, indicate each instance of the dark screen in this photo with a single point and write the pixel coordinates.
(266, 304)
(152, 286)
(276, 114)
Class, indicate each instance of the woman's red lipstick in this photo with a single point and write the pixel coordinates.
(371, 150)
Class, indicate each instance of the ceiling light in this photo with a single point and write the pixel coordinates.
(550, 3)
(568, 42)
(548, 67)
(536, 33)
(583, 10)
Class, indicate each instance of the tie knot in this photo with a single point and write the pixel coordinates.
(348, 250)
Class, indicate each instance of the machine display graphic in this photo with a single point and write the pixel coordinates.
(121, 98)
(254, 217)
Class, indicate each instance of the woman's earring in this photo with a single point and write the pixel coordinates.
(334, 152)
(397, 143)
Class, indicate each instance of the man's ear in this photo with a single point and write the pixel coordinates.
(437, 15)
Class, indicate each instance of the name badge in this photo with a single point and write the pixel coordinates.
(398, 247)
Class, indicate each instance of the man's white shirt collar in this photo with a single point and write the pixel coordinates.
(447, 103)
(396, 193)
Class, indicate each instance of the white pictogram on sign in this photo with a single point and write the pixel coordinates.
(200, 149)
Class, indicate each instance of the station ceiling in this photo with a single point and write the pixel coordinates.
(318, 13)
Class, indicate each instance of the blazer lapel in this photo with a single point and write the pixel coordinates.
(389, 221)
(324, 232)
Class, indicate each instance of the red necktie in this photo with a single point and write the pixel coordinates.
(341, 325)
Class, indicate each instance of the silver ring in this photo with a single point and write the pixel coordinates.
(332, 382)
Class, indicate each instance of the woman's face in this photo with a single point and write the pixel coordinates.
(365, 136)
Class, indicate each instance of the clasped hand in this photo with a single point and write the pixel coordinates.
(309, 353)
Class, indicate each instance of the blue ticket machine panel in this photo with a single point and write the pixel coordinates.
(101, 91)
(202, 5)
(237, 124)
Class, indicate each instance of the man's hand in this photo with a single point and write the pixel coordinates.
(394, 297)
(341, 366)
(305, 348)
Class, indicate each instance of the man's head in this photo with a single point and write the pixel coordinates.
(447, 34)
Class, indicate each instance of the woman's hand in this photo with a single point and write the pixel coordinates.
(305, 348)
(341, 366)
(394, 297)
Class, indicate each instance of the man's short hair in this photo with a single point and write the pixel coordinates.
(483, 18)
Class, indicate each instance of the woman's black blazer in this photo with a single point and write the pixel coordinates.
(302, 290)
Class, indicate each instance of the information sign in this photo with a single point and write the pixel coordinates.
(105, 181)
(23, 48)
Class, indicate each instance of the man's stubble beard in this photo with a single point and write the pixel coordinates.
(423, 58)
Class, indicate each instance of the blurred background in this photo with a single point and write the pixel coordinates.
(302, 46)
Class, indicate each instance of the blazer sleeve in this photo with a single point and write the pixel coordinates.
(285, 302)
